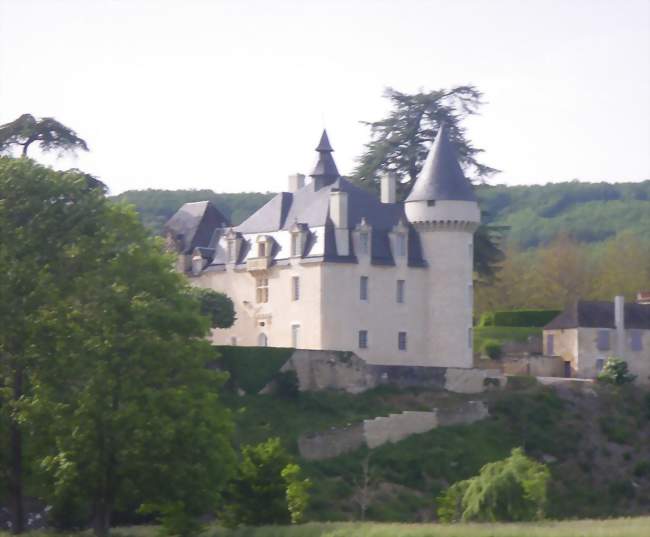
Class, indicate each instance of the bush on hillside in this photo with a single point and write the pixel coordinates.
(520, 318)
(492, 348)
(511, 490)
(252, 368)
(615, 372)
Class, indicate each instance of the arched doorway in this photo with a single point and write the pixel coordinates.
(262, 340)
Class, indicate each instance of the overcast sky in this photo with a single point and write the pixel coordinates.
(232, 95)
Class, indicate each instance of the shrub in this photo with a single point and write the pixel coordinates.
(252, 368)
(513, 489)
(615, 372)
(287, 385)
(518, 318)
(493, 349)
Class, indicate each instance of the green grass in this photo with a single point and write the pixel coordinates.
(621, 527)
(503, 334)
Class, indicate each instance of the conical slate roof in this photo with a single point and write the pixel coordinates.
(441, 177)
(325, 171)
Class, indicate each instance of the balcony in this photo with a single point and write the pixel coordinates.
(258, 264)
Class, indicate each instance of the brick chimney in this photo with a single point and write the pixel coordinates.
(296, 182)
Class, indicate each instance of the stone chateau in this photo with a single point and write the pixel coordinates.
(329, 266)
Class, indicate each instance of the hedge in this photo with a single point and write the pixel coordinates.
(252, 368)
(518, 318)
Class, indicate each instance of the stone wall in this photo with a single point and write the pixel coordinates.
(383, 429)
(523, 364)
(338, 370)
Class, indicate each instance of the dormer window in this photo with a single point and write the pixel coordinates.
(231, 251)
(298, 239)
(364, 242)
(295, 243)
(233, 245)
(261, 249)
(400, 243)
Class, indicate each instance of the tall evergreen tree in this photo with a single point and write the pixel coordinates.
(47, 132)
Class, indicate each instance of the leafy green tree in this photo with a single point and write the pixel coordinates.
(615, 371)
(218, 307)
(47, 132)
(400, 142)
(267, 489)
(513, 489)
(109, 346)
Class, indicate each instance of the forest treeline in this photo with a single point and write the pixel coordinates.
(562, 241)
(535, 214)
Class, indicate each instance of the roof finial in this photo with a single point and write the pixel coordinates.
(324, 144)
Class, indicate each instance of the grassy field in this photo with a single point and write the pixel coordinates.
(621, 527)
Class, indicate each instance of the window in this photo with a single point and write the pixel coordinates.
(261, 249)
(363, 288)
(602, 342)
(295, 244)
(231, 251)
(636, 342)
(364, 242)
(600, 363)
(401, 341)
(550, 344)
(295, 333)
(401, 245)
(262, 290)
(400, 291)
(262, 340)
(295, 288)
(363, 339)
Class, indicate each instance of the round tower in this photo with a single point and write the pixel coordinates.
(443, 209)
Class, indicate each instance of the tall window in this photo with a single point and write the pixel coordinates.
(363, 288)
(363, 339)
(295, 288)
(401, 245)
(550, 344)
(262, 290)
(600, 363)
(401, 341)
(261, 249)
(295, 333)
(295, 244)
(364, 242)
(602, 342)
(400, 291)
(231, 251)
(262, 340)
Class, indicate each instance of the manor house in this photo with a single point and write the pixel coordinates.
(327, 265)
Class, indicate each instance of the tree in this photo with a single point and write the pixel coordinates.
(217, 306)
(267, 489)
(46, 131)
(615, 371)
(400, 142)
(513, 489)
(110, 346)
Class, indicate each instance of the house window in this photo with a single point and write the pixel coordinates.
(400, 291)
(295, 245)
(262, 340)
(261, 249)
(602, 342)
(636, 342)
(262, 290)
(295, 333)
(363, 339)
(295, 288)
(550, 344)
(401, 341)
(401, 245)
(363, 288)
(231, 251)
(600, 363)
(364, 242)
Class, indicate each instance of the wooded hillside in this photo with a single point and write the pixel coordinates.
(589, 212)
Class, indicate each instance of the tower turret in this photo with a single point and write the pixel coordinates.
(442, 195)
(325, 171)
(443, 209)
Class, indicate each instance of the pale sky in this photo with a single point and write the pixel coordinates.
(232, 95)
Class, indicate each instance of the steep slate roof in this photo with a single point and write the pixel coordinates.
(325, 171)
(441, 177)
(598, 314)
(194, 225)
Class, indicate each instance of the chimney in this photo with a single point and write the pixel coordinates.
(339, 216)
(389, 188)
(619, 323)
(296, 182)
